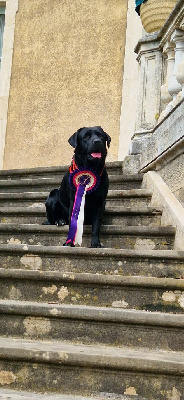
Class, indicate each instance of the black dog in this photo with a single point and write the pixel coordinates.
(90, 152)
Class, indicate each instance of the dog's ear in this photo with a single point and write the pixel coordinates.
(73, 139)
(108, 139)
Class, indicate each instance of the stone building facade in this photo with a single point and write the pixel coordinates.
(62, 68)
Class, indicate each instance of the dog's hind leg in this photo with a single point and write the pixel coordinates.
(54, 210)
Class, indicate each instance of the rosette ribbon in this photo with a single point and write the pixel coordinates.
(84, 182)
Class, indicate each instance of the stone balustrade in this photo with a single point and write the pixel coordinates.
(158, 140)
(161, 81)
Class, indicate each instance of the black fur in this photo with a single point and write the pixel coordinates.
(59, 204)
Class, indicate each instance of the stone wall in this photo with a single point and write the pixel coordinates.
(173, 174)
(161, 150)
(67, 73)
(166, 136)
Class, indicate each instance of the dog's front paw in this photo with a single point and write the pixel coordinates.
(69, 244)
(96, 244)
(60, 222)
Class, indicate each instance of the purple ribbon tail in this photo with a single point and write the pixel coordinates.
(75, 213)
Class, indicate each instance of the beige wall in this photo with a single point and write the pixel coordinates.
(67, 73)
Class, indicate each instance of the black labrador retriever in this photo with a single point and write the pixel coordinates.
(90, 153)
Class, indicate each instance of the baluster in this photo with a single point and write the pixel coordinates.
(174, 86)
(180, 77)
(169, 51)
(166, 98)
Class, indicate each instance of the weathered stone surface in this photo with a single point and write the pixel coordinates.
(173, 211)
(56, 368)
(130, 237)
(92, 325)
(161, 149)
(128, 198)
(82, 321)
(36, 214)
(114, 168)
(47, 185)
(164, 136)
(173, 175)
(85, 289)
(22, 395)
(160, 263)
(44, 184)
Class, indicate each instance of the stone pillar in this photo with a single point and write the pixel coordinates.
(130, 81)
(150, 58)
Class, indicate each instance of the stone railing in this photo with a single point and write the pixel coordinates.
(157, 147)
(161, 60)
(159, 120)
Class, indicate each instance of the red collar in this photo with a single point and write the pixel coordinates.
(74, 166)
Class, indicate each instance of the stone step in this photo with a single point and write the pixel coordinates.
(6, 394)
(117, 215)
(69, 369)
(124, 262)
(92, 325)
(133, 292)
(114, 168)
(129, 197)
(117, 182)
(130, 237)
(82, 323)
(126, 198)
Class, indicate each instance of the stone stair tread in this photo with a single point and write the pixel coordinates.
(103, 356)
(24, 171)
(83, 251)
(129, 193)
(123, 230)
(100, 279)
(111, 193)
(23, 195)
(56, 179)
(39, 209)
(132, 210)
(91, 313)
(44, 170)
(109, 210)
(6, 394)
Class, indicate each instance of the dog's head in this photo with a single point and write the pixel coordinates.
(90, 145)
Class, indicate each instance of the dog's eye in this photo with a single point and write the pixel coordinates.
(87, 136)
(101, 136)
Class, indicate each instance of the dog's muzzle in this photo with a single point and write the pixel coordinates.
(97, 149)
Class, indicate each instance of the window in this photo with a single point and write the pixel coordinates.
(2, 22)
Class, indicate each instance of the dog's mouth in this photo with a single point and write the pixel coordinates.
(96, 155)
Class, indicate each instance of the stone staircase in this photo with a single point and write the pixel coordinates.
(82, 323)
